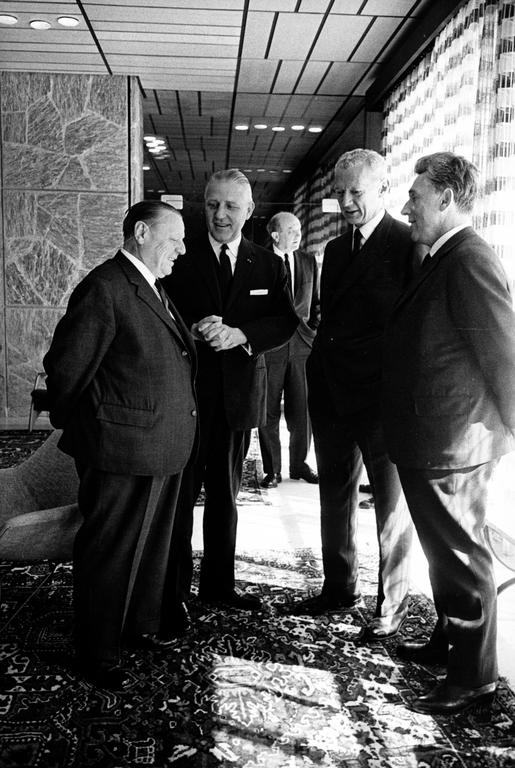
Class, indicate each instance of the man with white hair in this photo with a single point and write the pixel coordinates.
(363, 273)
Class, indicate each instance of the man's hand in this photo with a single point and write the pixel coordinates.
(219, 336)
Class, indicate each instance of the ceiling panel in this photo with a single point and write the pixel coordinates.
(294, 35)
(298, 62)
(381, 31)
(339, 37)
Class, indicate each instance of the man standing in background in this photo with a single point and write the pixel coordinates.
(120, 373)
(363, 273)
(234, 297)
(449, 405)
(286, 366)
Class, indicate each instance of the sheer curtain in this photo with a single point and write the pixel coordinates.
(461, 98)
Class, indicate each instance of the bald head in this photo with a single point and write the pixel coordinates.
(285, 230)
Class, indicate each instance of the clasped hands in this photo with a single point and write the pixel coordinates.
(217, 334)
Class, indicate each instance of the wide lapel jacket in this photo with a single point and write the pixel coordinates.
(146, 294)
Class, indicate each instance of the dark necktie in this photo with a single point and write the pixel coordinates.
(164, 298)
(356, 241)
(225, 272)
(288, 272)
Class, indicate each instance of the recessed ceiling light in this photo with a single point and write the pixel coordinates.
(286, 170)
(149, 137)
(146, 167)
(154, 150)
(261, 126)
(39, 24)
(315, 129)
(298, 127)
(247, 170)
(68, 21)
(241, 127)
(8, 20)
(278, 128)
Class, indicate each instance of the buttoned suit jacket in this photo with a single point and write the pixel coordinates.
(259, 304)
(449, 373)
(120, 376)
(356, 296)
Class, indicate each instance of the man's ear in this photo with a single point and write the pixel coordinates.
(275, 237)
(385, 186)
(140, 231)
(250, 209)
(447, 198)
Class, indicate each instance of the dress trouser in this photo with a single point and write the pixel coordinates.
(219, 466)
(119, 562)
(449, 510)
(341, 446)
(286, 372)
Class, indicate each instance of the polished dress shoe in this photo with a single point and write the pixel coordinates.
(320, 604)
(233, 599)
(304, 473)
(271, 480)
(383, 626)
(178, 623)
(448, 699)
(423, 653)
(110, 677)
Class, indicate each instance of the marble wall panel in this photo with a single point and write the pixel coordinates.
(66, 183)
(29, 332)
(101, 218)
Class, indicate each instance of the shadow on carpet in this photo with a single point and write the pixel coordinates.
(250, 690)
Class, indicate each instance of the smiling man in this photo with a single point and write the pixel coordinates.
(363, 273)
(120, 381)
(449, 397)
(234, 297)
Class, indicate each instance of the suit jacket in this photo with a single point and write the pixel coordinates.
(120, 376)
(449, 375)
(259, 303)
(356, 295)
(306, 300)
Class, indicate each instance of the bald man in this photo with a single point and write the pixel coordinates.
(286, 365)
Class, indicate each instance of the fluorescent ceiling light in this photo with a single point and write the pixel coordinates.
(298, 127)
(68, 21)
(8, 20)
(278, 128)
(40, 24)
(315, 129)
(241, 127)
(261, 126)
(146, 167)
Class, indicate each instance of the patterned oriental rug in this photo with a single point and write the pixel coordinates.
(263, 690)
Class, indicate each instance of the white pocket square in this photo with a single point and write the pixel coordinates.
(259, 292)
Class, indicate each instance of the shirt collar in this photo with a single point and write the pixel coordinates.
(443, 239)
(232, 247)
(141, 267)
(280, 253)
(367, 229)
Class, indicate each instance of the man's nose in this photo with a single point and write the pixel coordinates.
(406, 209)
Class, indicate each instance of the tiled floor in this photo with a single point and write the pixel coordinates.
(290, 519)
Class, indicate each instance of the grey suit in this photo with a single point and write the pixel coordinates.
(449, 405)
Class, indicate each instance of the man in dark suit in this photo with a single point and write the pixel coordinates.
(449, 405)
(286, 366)
(363, 273)
(234, 297)
(120, 382)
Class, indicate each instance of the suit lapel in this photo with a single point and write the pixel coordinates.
(352, 268)
(243, 268)
(145, 293)
(421, 276)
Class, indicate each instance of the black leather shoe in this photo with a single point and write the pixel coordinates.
(107, 676)
(271, 480)
(178, 623)
(319, 604)
(448, 699)
(383, 626)
(423, 653)
(233, 599)
(304, 473)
